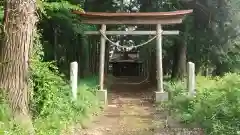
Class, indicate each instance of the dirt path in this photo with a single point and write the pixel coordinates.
(130, 111)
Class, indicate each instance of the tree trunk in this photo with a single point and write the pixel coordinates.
(55, 45)
(179, 62)
(107, 59)
(87, 57)
(19, 24)
(219, 71)
(153, 68)
(166, 65)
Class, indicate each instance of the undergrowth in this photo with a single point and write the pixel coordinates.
(215, 107)
(51, 105)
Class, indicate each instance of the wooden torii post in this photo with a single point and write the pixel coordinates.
(154, 18)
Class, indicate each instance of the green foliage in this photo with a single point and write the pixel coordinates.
(4, 115)
(215, 107)
(7, 125)
(212, 40)
(63, 32)
(52, 105)
(47, 83)
(1, 13)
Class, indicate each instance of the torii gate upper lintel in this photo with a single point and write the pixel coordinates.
(157, 18)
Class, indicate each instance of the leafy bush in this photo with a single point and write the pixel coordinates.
(7, 125)
(51, 105)
(4, 115)
(215, 107)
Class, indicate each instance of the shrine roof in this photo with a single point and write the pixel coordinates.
(137, 14)
(133, 18)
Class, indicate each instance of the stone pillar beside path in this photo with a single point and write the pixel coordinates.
(74, 78)
(191, 80)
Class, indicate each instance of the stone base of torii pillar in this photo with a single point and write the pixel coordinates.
(102, 96)
(160, 96)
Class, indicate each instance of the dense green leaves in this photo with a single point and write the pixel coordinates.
(51, 104)
(210, 33)
(62, 31)
(215, 107)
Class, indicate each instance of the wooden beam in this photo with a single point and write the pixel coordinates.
(176, 32)
(133, 21)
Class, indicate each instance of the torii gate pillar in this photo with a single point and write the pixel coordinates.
(160, 95)
(101, 93)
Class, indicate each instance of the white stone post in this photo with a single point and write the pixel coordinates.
(73, 78)
(191, 82)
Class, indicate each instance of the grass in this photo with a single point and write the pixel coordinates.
(215, 108)
(62, 115)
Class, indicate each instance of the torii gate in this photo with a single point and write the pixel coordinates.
(157, 18)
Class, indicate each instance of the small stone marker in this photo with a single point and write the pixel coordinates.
(191, 79)
(73, 78)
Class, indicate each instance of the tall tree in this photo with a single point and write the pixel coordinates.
(18, 33)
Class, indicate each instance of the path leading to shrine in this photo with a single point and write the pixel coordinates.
(130, 111)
